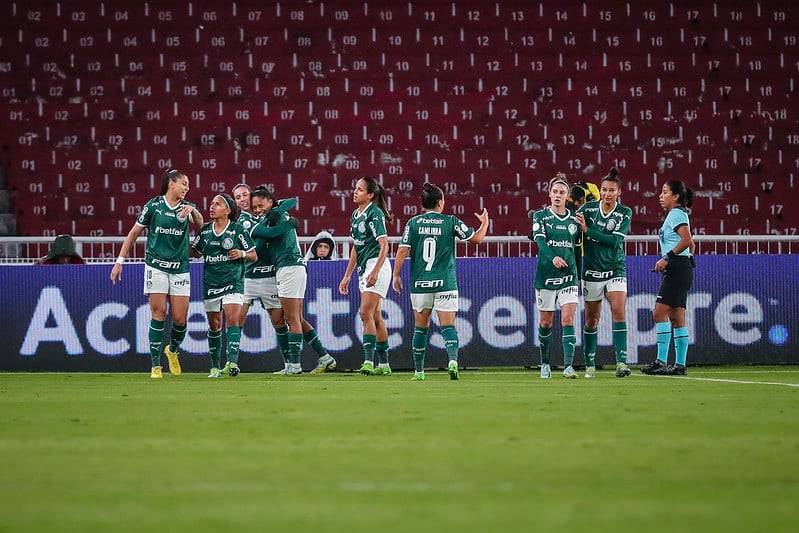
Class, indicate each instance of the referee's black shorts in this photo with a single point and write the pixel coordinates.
(677, 280)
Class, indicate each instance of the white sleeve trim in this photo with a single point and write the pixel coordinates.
(140, 224)
(404, 245)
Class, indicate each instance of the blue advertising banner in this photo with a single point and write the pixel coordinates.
(742, 309)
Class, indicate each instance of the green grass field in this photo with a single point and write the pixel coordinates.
(341, 452)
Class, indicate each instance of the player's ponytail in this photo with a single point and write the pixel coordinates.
(685, 196)
(169, 175)
(379, 195)
(613, 175)
(431, 195)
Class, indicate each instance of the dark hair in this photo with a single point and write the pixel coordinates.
(170, 175)
(231, 204)
(684, 193)
(613, 175)
(374, 187)
(262, 191)
(239, 186)
(431, 194)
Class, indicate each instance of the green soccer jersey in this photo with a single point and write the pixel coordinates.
(431, 239)
(167, 237)
(556, 236)
(221, 275)
(604, 241)
(264, 266)
(367, 228)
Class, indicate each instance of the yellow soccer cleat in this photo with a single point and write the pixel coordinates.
(155, 373)
(174, 362)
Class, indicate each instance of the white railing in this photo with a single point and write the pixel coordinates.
(106, 249)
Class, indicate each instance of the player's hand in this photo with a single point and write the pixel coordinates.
(236, 254)
(372, 279)
(344, 286)
(580, 217)
(396, 283)
(116, 273)
(185, 211)
(661, 265)
(482, 217)
(559, 262)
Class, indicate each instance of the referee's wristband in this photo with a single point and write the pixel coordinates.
(671, 255)
(120, 260)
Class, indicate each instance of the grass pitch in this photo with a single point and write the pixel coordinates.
(493, 451)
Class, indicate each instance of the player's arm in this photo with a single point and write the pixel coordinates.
(285, 205)
(246, 248)
(133, 234)
(262, 231)
(686, 241)
(344, 286)
(480, 234)
(399, 260)
(195, 217)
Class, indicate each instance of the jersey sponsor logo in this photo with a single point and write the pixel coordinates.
(429, 284)
(169, 231)
(227, 244)
(431, 221)
(263, 269)
(560, 244)
(559, 281)
(446, 297)
(170, 265)
(221, 258)
(429, 231)
(220, 290)
(358, 242)
(596, 274)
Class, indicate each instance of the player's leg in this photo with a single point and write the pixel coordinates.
(681, 340)
(545, 301)
(660, 314)
(369, 304)
(421, 329)
(179, 291)
(278, 319)
(232, 308)
(381, 344)
(618, 310)
(569, 338)
(156, 332)
(213, 309)
(292, 310)
(325, 361)
(594, 294)
(446, 320)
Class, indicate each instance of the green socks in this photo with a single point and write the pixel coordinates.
(544, 340)
(620, 341)
(176, 336)
(590, 345)
(569, 341)
(282, 333)
(233, 340)
(312, 339)
(369, 342)
(450, 335)
(381, 350)
(663, 330)
(156, 335)
(295, 347)
(215, 346)
(419, 346)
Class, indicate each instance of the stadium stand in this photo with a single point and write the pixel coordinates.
(489, 99)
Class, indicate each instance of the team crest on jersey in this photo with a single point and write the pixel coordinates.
(572, 228)
(536, 226)
(180, 217)
(227, 244)
(362, 227)
(246, 224)
(463, 227)
(611, 225)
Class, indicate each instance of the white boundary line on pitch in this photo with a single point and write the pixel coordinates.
(720, 380)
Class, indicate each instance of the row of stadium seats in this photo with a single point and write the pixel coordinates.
(487, 99)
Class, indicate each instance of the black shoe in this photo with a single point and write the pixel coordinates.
(671, 370)
(655, 367)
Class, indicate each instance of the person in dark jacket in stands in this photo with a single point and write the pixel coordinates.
(62, 252)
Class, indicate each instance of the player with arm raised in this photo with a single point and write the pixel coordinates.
(605, 225)
(370, 255)
(556, 233)
(166, 271)
(224, 247)
(429, 240)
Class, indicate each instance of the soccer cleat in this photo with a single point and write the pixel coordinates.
(225, 369)
(546, 371)
(325, 363)
(653, 368)
(569, 373)
(452, 368)
(174, 362)
(215, 373)
(155, 373)
(590, 372)
(622, 370)
(294, 369)
(671, 370)
(282, 372)
(382, 370)
(418, 376)
(367, 368)
(232, 369)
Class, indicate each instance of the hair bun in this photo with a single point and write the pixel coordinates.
(613, 172)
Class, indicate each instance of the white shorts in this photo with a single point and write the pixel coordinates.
(262, 290)
(550, 300)
(291, 281)
(594, 291)
(214, 305)
(383, 278)
(159, 282)
(438, 301)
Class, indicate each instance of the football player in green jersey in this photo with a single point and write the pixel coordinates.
(556, 233)
(605, 224)
(370, 255)
(224, 247)
(429, 240)
(166, 271)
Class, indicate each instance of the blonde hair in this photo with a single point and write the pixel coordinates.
(560, 177)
